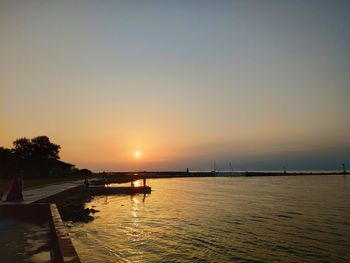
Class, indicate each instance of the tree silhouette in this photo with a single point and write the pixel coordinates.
(42, 147)
(22, 148)
(38, 147)
(36, 157)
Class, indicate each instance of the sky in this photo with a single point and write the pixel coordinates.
(260, 84)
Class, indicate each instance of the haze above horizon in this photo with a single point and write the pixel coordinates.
(161, 85)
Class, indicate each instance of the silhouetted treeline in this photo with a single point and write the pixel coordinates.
(35, 158)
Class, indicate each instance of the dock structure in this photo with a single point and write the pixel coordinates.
(36, 194)
(39, 204)
(96, 186)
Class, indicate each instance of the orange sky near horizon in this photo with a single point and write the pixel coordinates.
(260, 85)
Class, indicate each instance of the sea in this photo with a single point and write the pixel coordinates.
(222, 219)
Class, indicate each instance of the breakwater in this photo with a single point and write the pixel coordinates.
(124, 177)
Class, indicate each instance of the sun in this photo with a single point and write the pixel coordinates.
(137, 154)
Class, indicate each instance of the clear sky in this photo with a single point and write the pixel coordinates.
(260, 84)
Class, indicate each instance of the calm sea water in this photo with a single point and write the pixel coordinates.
(256, 219)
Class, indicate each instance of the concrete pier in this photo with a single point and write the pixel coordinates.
(36, 194)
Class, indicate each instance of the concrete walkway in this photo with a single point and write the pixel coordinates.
(34, 194)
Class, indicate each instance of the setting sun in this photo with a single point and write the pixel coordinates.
(137, 154)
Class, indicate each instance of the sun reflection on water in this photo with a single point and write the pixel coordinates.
(137, 183)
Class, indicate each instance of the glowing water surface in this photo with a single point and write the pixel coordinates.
(241, 219)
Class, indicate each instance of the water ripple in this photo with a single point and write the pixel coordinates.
(275, 219)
